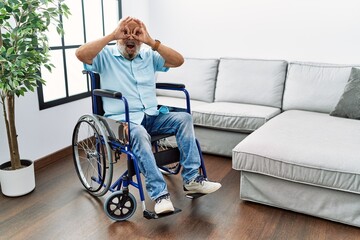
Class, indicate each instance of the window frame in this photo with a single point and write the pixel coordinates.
(67, 99)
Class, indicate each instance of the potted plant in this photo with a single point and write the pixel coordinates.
(24, 48)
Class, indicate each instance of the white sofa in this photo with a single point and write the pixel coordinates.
(273, 118)
(230, 97)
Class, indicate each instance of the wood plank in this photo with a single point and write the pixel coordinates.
(59, 208)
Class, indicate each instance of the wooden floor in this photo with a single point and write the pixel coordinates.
(59, 209)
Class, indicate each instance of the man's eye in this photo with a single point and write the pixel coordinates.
(125, 32)
(137, 33)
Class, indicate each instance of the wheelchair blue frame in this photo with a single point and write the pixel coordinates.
(121, 185)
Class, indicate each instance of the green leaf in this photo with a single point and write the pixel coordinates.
(8, 9)
(25, 6)
(25, 45)
(9, 51)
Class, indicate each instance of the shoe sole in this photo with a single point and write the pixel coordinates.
(166, 211)
(201, 192)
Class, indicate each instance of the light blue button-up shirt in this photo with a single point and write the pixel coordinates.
(135, 79)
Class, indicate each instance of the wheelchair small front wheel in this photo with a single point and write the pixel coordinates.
(92, 155)
(120, 206)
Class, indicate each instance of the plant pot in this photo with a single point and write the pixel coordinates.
(15, 183)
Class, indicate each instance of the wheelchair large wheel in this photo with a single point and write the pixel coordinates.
(92, 155)
(119, 206)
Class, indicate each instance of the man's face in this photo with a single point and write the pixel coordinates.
(129, 47)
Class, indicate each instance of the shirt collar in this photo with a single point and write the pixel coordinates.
(115, 52)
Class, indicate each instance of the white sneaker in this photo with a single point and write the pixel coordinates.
(201, 185)
(163, 204)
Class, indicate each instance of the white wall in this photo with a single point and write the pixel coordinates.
(137, 9)
(4, 152)
(42, 132)
(304, 30)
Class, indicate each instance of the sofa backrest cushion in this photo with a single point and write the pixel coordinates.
(251, 81)
(314, 86)
(198, 75)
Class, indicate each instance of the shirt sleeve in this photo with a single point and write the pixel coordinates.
(159, 62)
(89, 67)
(98, 61)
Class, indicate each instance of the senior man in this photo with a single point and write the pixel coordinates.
(130, 69)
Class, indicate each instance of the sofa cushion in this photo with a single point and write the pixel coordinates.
(314, 86)
(349, 103)
(232, 116)
(306, 147)
(198, 75)
(251, 81)
(177, 102)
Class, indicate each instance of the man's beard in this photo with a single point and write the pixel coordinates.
(122, 50)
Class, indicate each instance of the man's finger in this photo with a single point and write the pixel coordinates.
(127, 30)
(125, 21)
(137, 31)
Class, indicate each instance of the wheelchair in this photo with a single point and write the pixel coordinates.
(98, 142)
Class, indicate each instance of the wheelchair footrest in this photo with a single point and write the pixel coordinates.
(152, 215)
(194, 195)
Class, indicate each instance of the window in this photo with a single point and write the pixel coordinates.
(89, 20)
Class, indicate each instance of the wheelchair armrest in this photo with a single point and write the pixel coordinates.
(107, 93)
(116, 95)
(170, 86)
(176, 87)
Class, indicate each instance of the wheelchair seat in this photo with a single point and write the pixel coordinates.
(117, 131)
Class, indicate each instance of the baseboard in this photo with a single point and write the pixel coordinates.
(51, 158)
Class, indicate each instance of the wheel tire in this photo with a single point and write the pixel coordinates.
(119, 206)
(92, 155)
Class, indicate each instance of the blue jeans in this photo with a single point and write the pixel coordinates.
(178, 123)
